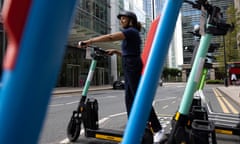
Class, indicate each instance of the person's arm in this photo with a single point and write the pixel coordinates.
(105, 38)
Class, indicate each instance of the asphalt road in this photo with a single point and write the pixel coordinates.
(112, 113)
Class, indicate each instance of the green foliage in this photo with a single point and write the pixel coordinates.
(229, 41)
(214, 81)
(171, 72)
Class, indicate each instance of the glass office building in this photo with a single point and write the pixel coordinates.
(92, 18)
(190, 18)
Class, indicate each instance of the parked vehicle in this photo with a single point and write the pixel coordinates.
(119, 84)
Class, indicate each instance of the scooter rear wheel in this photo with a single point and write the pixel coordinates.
(73, 129)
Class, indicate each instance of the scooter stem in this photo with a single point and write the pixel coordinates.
(194, 75)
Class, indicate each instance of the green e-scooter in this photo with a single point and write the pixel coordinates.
(225, 123)
(186, 127)
(87, 110)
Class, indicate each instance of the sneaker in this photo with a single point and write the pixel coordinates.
(158, 136)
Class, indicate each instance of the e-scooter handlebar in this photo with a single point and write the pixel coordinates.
(199, 3)
(97, 51)
(215, 17)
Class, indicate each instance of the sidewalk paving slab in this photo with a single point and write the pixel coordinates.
(65, 90)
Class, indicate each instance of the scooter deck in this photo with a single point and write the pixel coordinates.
(228, 130)
(105, 134)
(225, 123)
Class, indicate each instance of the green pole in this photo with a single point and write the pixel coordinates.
(203, 78)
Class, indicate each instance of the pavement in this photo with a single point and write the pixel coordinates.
(231, 91)
(65, 90)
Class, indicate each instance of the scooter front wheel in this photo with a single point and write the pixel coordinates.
(73, 129)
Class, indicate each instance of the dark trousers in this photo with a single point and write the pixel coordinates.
(132, 72)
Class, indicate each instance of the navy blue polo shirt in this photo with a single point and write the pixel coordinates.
(132, 43)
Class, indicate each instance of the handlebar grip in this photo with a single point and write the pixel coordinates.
(80, 43)
(102, 50)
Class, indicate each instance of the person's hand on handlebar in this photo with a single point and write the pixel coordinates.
(113, 51)
(84, 44)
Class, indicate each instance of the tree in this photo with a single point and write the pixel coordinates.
(171, 73)
(229, 42)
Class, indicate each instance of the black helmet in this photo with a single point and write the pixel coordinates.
(128, 14)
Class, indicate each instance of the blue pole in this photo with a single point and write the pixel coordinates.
(27, 88)
(149, 81)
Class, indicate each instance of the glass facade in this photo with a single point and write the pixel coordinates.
(75, 69)
(152, 9)
(159, 6)
(92, 18)
(94, 15)
(190, 18)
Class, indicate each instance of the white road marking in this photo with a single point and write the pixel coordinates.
(166, 106)
(69, 103)
(65, 141)
(103, 120)
(56, 105)
(72, 102)
(158, 100)
(118, 114)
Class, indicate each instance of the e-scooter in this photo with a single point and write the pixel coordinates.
(87, 111)
(192, 125)
(224, 123)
